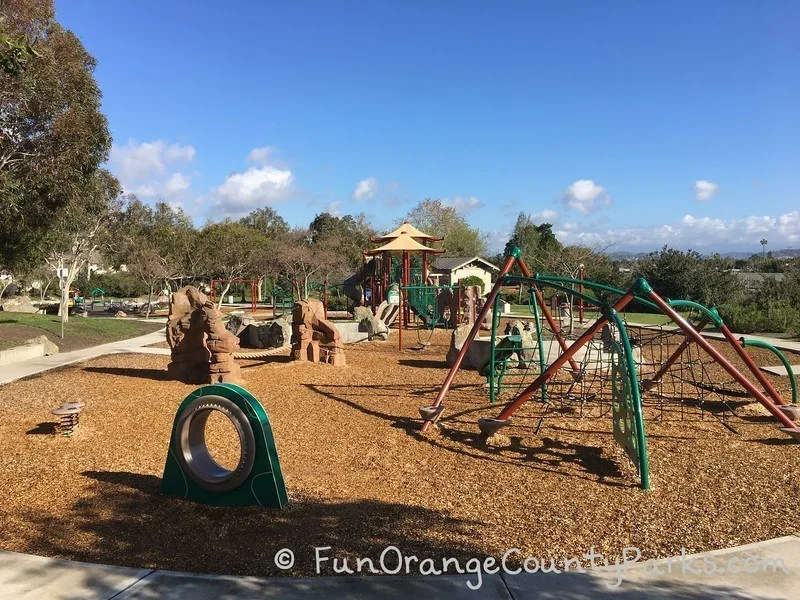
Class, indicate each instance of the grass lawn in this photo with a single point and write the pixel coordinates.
(79, 332)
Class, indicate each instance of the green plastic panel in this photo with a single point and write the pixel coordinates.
(264, 485)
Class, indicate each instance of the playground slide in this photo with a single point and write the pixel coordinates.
(352, 286)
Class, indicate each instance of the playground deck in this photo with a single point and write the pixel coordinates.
(361, 477)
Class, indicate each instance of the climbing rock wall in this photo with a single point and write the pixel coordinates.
(313, 337)
(202, 349)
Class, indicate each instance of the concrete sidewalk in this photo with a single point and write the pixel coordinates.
(774, 574)
(27, 368)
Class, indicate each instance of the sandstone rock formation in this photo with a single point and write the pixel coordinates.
(221, 343)
(202, 348)
(313, 337)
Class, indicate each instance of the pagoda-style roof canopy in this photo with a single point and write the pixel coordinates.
(409, 230)
(403, 242)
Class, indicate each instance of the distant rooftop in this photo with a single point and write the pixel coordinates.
(452, 263)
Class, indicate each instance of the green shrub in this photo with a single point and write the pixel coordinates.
(752, 316)
(336, 302)
(472, 280)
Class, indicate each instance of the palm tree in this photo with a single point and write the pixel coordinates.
(764, 243)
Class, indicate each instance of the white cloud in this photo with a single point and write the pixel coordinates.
(136, 161)
(789, 225)
(260, 155)
(176, 184)
(695, 232)
(585, 196)
(463, 204)
(170, 189)
(257, 186)
(546, 215)
(705, 190)
(366, 189)
(334, 208)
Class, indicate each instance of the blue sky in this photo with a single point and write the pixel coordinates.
(632, 123)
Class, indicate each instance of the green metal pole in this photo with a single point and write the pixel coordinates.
(781, 357)
(495, 323)
(542, 361)
(641, 438)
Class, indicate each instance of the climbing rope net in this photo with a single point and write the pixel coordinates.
(694, 387)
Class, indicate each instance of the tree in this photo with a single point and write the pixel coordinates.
(53, 136)
(350, 233)
(229, 250)
(152, 243)
(267, 222)
(437, 219)
(78, 230)
(763, 243)
(301, 259)
(538, 243)
(689, 276)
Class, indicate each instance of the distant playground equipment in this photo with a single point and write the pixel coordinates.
(611, 365)
(387, 277)
(192, 473)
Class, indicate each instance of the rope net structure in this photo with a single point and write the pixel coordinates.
(693, 388)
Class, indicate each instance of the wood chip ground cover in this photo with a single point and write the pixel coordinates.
(361, 477)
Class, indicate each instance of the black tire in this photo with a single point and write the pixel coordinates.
(193, 455)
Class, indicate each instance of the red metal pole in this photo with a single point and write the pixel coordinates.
(514, 404)
(722, 361)
(762, 379)
(400, 322)
(580, 300)
(648, 385)
(552, 323)
(487, 305)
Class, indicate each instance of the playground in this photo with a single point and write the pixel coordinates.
(467, 431)
(361, 476)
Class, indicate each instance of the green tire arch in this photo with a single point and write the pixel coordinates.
(190, 471)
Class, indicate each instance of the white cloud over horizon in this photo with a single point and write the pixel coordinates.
(705, 190)
(585, 196)
(693, 232)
